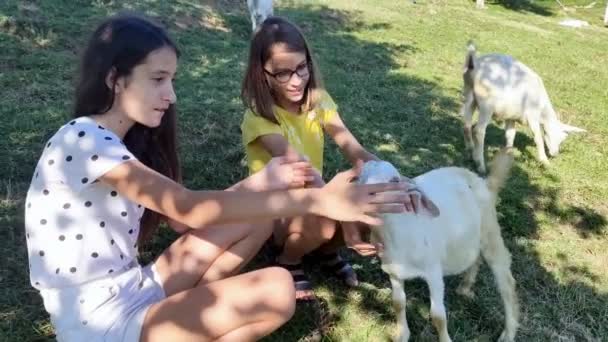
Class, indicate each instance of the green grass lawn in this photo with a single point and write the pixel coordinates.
(394, 68)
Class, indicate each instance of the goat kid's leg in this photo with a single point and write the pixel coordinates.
(510, 133)
(538, 139)
(485, 115)
(254, 23)
(399, 302)
(467, 112)
(438, 312)
(464, 289)
(499, 260)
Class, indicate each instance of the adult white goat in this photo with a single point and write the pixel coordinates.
(500, 86)
(259, 10)
(431, 247)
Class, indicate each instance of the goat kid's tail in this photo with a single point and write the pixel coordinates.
(469, 63)
(499, 171)
(469, 66)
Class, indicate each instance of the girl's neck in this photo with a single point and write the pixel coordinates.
(115, 121)
(292, 107)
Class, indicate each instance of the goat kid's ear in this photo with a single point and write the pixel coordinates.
(571, 129)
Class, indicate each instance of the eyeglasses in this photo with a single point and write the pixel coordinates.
(284, 76)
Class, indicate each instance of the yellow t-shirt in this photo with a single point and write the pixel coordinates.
(304, 132)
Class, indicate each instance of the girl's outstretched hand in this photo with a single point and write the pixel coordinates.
(351, 232)
(343, 200)
(286, 172)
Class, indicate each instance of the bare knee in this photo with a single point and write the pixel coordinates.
(314, 230)
(278, 292)
(327, 228)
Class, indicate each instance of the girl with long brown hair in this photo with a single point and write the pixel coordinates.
(108, 177)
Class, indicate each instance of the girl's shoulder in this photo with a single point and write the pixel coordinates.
(84, 129)
(325, 101)
(251, 117)
(79, 153)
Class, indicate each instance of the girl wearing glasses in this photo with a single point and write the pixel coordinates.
(288, 112)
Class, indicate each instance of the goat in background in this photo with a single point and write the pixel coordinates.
(259, 10)
(500, 86)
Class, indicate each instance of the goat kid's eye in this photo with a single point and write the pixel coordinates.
(395, 180)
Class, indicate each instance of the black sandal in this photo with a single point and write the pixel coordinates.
(270, 251)
(301, 282)
(334, 264)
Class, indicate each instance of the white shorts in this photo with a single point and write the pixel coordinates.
(109, 309)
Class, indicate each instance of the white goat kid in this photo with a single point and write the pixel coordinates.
(500, 86)
(430, 248)
(259, 10)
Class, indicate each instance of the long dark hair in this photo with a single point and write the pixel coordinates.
(121, 43)
(256, 93)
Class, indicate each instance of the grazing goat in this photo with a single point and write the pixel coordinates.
(430, 248)
(501, 86)
(259, 10)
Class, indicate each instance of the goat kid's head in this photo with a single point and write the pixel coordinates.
(378, 171)
(556, 133)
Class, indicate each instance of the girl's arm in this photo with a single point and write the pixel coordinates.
(354, 152)
(338, 200)
(350, 147)
(285, 173)
(178, 227)
(276, 145)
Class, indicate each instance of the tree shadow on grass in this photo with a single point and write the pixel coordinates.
(543, 8)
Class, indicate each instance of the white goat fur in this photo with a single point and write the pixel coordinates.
(429, 248)
(259, 10)
(500, 86)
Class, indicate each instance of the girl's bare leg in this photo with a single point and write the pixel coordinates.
(240, 308)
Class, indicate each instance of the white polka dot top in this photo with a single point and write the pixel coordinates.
(77, 228)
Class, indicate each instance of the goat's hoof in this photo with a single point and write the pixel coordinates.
(545, 163)
(468, 293)
(481, 167)
(401, 337)
(504, 337)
